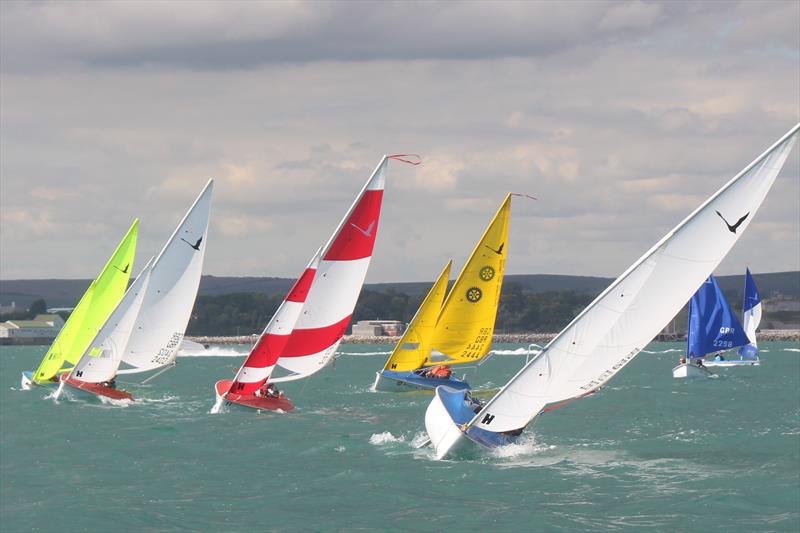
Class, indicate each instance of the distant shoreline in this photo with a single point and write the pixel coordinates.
(500, 338)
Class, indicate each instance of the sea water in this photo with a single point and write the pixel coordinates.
(648, 452)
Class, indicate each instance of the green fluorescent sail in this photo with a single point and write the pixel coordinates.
(92, 310)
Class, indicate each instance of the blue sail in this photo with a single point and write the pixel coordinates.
(712, 325)
(751, 316)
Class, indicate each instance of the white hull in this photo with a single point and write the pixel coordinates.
(446, 437)
(688, 370)
(25, 382)
(737, 362)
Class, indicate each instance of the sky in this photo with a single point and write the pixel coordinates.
(620, 117)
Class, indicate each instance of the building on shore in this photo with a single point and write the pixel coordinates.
(378, 328)
(41, 330)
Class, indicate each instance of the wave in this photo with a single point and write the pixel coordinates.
(518, 351)
(212, 352)
(789, 350)
(385, 438)
(669, 350)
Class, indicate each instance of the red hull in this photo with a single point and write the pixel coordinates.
(249, 400)
(97, 389)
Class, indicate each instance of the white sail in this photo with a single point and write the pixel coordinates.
(171, 291)
(102, 358)
(620, 322)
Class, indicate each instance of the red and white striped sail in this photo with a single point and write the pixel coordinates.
(342, 267)
(259, 364)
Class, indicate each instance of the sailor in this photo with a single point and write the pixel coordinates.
(699, 362)
(719, 357)
(682, 360)
(272, 391)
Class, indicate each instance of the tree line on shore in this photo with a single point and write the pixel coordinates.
(519, 311)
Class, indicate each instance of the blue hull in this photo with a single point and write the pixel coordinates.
(388, 381)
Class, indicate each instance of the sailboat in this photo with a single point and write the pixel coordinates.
(617, 325)
(147, 326)
(713, 329)
(751, 318)
(93, 309)
(306, 329)
(455, 330)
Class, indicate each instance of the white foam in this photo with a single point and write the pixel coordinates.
(117, 403)
(384, 438)
(518, 351)
(214, 351)
(788, 350)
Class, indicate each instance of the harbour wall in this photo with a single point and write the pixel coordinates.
(509, 338)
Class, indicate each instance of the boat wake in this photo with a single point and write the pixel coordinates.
(788, 350)
(385, 437)
(518, 351)
(214, 351)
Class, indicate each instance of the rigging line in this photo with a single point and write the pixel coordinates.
(154, 376)
(523, 195)
(556, 406)
(402, 158)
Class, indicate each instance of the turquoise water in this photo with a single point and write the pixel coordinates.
(647, 453)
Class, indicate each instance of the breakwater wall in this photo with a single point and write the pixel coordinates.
(510, 338)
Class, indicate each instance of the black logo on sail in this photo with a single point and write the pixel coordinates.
(499, 250)
(487, 419)
(125, 271)
(733, 227)
(196, 245)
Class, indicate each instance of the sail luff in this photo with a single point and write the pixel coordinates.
(466, 323)
(92, 309)
(606, 336)
(340, 275)
(413, 350)
(171, 290)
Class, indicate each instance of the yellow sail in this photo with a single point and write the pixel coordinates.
(92, 310)
(465, 326)
(415, 345)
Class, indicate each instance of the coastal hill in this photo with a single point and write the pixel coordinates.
(66, 292)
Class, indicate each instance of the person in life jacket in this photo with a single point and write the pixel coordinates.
(440, 372)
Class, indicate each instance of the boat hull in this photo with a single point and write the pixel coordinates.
(388, 381)
(734, 362)
(97, 389)
(26, 381)
(445, 421)
(688, 370)
(250, 401)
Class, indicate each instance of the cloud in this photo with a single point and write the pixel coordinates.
(619, 117)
